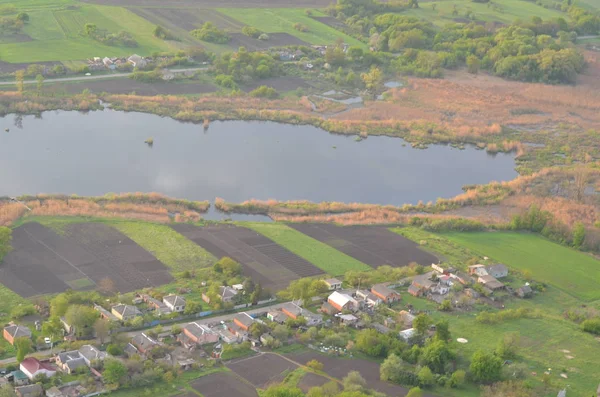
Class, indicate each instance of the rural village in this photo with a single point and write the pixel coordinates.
(327, 198)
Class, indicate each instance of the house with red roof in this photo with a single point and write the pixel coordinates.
(33, 367)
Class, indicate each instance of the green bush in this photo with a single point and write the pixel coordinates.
(264, 92)
(209, 32)
(226, 81)
(592, 326)
(251, 31)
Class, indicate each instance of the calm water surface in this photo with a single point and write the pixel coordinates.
(100, 152)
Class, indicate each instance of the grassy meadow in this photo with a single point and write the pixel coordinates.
(440, 12)
(56, 32)
(569, 270)
(319, 254)
(282, 20)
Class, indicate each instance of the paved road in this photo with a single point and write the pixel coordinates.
(97, 77)
(209, 320)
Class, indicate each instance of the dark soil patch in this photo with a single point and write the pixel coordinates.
(373, 245)
(330, 21)
(262, 259)
(262, 370)
(311, 380)
(190, 19)
(281, 84)
(339, 368)
(43, 262)
(126, 86)
(223, 384)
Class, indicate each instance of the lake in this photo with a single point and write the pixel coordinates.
(99, 152)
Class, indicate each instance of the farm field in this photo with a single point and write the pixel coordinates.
(504, 12)
(222, 384)
(373, 245)
(274, 20)
(262, 370)
(571, 271)
(262, 259)
(44, 262)
(169, 247)
(54, 33)
(326, 258)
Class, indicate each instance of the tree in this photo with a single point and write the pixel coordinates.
(442, 331)
(485, 367)
(20, 78)
(415, 392)
(23, 346)
(458, 378)
(23, 17)
(426, 378)
(90, 29)
(59, 305)
(354, 381)
(102, 329)
(413, 3)
(280, 332)
(227, 266)
(578, 235)
(40, 83)
(114, 350)
(508, 345)
(5, 239)
(390, 368)
(446, 305)
(436, 355)
(473, 64)
(422, 323)
(81, 318)
(373, 79)
(52, 328)
(114, 371)
(371, 342)
(315, 364)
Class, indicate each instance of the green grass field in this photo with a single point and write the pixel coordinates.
(574, 272)
(319, 254)
(168, 246)
(56, 33)
(508, 11)
(274, 20)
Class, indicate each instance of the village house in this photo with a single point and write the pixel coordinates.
(125, 312)
(137, 61)
(415, 290)
(471, 293)
(105, 314)
(524, 292)
(198, 334)
(497, 271)
(243, 320)
(407, 334)
(71, 360)
(143, 343)
(406, 319)
(385, 293)
(14, 331)
(227, 336)
(477, 270)
(490, 282)
(33, 367)
(368, 298)
(175, 303)
(328, 309)
(54, 392)
(226, 294)
(348, 319)
(342, 301)
(18, 378)
(156, 305)
(35, 390)
(446, 280)
(333, 283)
(291, 310)
(277, 316)
(423, 282)
(440, 289)
(462, 278)
(382, 329)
